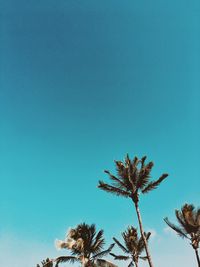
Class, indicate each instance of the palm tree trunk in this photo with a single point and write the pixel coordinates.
(136, 264)
(197, 255)
(142, 234)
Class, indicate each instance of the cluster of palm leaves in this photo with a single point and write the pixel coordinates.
(132, 179)
(86, 246)
(132, 248)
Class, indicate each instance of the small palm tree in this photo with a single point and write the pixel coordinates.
(189, 220)
(86, 247)
(46, 263)
(133, 246)
(132, 179)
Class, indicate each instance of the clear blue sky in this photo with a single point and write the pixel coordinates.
(82, 83)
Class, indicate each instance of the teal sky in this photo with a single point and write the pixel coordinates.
(82, 83)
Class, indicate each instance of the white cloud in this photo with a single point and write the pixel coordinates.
(19, 252)
(170, 231)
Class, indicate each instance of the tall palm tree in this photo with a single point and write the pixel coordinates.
(46, 263)
(86, 246)
(189, 219)
(132, 179)
(133, 246)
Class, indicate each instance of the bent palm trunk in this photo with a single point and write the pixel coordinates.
(197, 256)
(143, 236)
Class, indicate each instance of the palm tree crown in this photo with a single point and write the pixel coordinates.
(133, 176)
(85, 244)
(189, 220)
(133, 246)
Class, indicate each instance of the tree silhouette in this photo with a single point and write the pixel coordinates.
(86, 246)
(133, 247)
(189, 220)
(132, 179)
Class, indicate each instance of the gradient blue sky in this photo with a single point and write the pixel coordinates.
(82, 83)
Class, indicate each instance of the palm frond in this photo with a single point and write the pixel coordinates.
(187, 217)
(92, 231)
(98, 246)
(130, 237)
(154, 184)
(189, 214)
(141, 245)
(120, 257)
(181, 232)
(181, 219)
(131, 172)
(46, 263)
(144, 175)
(131, 264)
(65, 259)
(198, 217)
(143, 161)
(123, 173)
(88, 238)
(112, 189)
(76, 251)
(103, 253)
(120, 245)
(147, 235)
(117, 180)
(98, 242)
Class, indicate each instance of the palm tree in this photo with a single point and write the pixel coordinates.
(132, 179)
(46, 263)
(133, 246)
(86, 247)
(189, 220)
